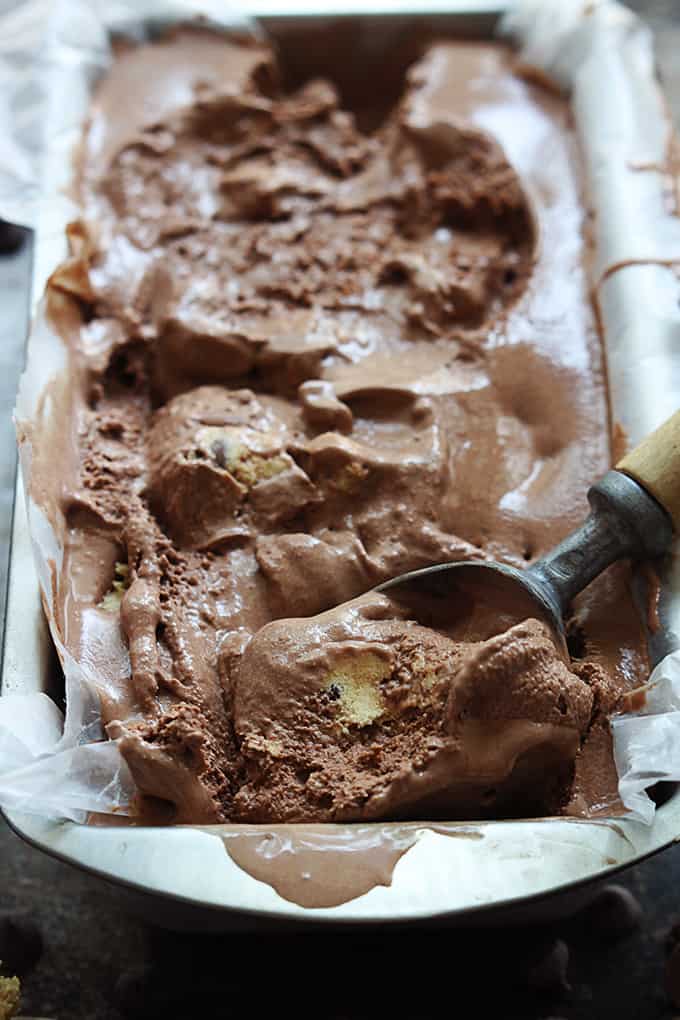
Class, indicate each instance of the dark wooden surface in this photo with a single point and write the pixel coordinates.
(100, 964)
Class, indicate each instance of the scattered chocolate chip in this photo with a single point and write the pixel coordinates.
(21, 944)
(548, 972)
(145, 991)
(614, 911)
(219, 452)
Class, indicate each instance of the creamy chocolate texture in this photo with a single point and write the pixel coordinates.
(306, 359)
(361, 714)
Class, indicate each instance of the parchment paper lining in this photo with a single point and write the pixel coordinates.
(50, 55)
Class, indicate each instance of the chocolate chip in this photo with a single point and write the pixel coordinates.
(21, 944)
(548, 973)
(219, 452)
(146, 991)
(614, 911)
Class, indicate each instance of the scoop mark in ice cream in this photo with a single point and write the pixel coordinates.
(372, 715)
(309, 359)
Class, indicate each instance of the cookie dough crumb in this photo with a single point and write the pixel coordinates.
(349, 479)
(121, 581)
(10, 994)
(354, 684)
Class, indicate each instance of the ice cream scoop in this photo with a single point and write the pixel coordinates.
(634, 512)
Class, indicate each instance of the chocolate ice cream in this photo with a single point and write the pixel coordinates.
(305, 358)
(361, 714)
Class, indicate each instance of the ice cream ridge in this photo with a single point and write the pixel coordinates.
(312, 355)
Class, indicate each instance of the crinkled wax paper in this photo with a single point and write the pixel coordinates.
(50, 55)
(604, 54)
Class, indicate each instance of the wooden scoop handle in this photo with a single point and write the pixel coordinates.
(655, 464)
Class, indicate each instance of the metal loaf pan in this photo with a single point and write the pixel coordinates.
(182, 876)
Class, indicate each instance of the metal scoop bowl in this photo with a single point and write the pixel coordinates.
(634, 512)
